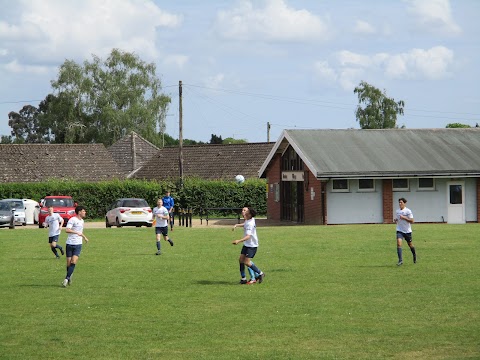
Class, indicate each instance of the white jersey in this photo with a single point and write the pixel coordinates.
(403, 225)
(250, 228)
(160, 211)
(75, 224)
(53, 222)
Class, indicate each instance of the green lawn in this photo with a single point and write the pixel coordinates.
(330, 292)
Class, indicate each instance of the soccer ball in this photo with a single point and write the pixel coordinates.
(239, 179)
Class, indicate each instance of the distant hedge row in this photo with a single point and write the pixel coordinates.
(196, 194)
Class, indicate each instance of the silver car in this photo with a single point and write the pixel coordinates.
(129, 212)
(6, 216)
(19, 207)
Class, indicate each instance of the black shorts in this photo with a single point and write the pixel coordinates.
(73, 250)
(249, 252)
(406, 236)
(53, 238)
(161, 230)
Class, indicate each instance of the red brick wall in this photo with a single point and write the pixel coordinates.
(273, 174)
(387, 201)
(313, 208)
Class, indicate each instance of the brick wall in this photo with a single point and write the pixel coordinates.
(387, 201)
(313, 207)
(273, 174)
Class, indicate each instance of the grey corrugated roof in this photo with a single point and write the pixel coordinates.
(41, 162)
(385, 153)
(212, 162)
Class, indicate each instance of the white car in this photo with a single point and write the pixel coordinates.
(129, 212)
(19, 214)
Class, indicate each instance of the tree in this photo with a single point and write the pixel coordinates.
(456, 125)
(231, 140)
(216, 139)
(379, 111)
(26, 126)
(103, 100)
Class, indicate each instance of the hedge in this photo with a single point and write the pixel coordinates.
(195, 194)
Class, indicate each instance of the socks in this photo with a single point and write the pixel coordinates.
(158, 245)
(399, 253)
(251, 272)
(255, 268)
(70, 270)
(54, 250)
(242, 271)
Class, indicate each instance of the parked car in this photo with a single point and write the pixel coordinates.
(62, 205)
(6, 216)
(19, 213)
(129, 212)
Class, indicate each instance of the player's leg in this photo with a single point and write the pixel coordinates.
(399, 248)
(241, 261)
(172, 221)
(251, 251)
(166, 237)
(158, 237)
(53, 246)
(412, 247)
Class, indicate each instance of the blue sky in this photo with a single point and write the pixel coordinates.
(243, 63)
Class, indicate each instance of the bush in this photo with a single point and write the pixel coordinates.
(196, 194)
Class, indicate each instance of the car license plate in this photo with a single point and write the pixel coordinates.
(137, 213)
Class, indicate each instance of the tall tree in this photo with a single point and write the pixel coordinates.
(103, 100)
(26, 126)
(216, 139)
(378, 111)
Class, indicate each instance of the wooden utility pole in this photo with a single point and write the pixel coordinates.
(268, 131)
(180, 131)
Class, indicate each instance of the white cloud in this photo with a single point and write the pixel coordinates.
(434, 16)
(363, 27)
(276, 21)
(215, 81)
(15, 67)
(349, 68)
(52, 30)
(178, 61)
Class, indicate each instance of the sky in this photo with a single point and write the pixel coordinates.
(293, 64)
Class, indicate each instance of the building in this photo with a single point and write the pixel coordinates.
(23, 163)
(357, 176)
(209, 162)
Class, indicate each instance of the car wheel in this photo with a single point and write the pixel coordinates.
(149, 225)
(117, 223)
(24, 224)
(107, 224)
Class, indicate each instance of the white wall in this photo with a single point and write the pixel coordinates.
(355, 207)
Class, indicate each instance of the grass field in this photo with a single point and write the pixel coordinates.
(330, 292)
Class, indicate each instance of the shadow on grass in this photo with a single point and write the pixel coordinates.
(215, 282)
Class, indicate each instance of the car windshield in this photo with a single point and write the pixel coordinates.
(14, 204)
(4, 206)
(135, 203)
(58, 202)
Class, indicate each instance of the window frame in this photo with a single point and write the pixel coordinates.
(371, 189)
(401, 188)
(430, 188)
(341, 190)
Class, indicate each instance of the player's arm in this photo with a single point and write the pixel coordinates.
(61, 222)
(245, 238)
(234, 226)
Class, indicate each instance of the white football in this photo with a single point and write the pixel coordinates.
(239, 179)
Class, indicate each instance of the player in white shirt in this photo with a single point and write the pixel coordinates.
(54, 222)
(404, 220)
(161, 217)
(74, 242)
(250, 245)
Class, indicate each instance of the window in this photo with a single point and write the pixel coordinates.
(400, 184)
(426, 184)
(340, 185)
(366, 185)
